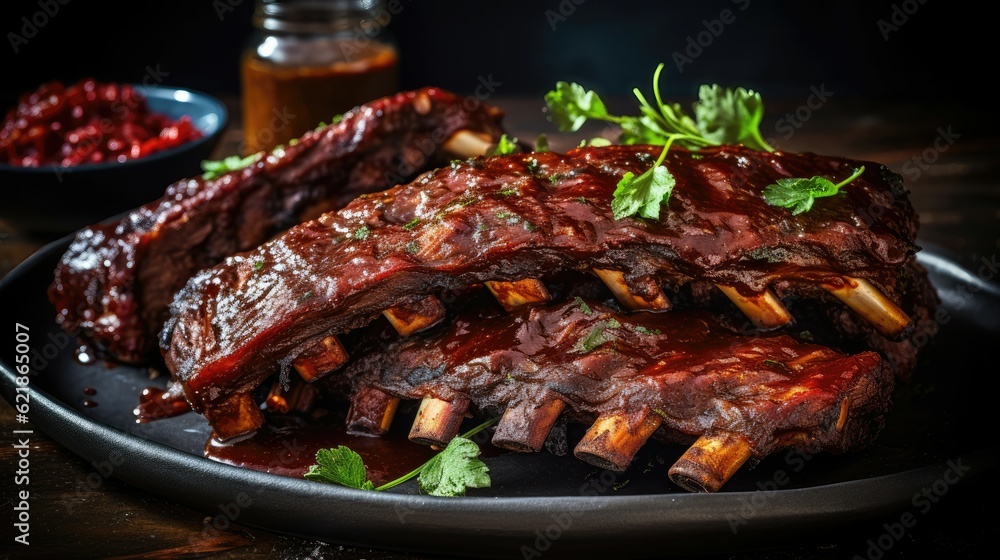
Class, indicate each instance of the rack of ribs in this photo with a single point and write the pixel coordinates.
(506, 222)
(684, 376)
(114, 284)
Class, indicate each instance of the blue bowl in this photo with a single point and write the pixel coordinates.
(53, 199)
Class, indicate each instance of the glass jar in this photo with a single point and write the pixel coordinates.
(309, 61)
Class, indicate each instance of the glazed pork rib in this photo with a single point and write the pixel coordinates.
(505, 221)
(683, 374)
(115, 282)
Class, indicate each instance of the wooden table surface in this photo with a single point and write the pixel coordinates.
(955, 188)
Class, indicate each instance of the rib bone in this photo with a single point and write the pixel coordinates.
(466, 144)
(371, 412)
(865, 299)
(299, 397)
(615, 281)
(611, 442)
(408, 319)
(710, 462)
(512, 295)
(321, 358)
(764, 309)
(438, 421)
(525, 427)
(236, 416)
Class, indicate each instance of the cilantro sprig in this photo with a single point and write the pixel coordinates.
(721, 116)
(800, 193)
(449, 473)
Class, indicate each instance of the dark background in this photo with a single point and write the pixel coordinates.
(780, 48)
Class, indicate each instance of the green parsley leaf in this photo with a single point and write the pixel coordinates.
(258, 265)
(507, 191)
(542, 143)
(731, 116)
(340, 466)
(455, 469)
(570, 106)
(597, 336)
(643, 330)
(644, 194)
(800, 193)
(216, 169)
(583, 305)
(337, 118)
(362, 233)
(505, 146)
(408, 226)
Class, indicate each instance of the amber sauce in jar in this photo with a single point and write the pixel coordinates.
(308, 67)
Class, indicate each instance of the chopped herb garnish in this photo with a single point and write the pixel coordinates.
(216, 169)
(505, 146)
(505, 216)
(449, 473)
(529, 226)
(583, 305)
(775, 363)
(411, 224)
(258, 265)
(643, 330)
(362, 233)
(337, 118)
(595, 143)
(597, 336)
(542, 143)
(555, 177)
(531, 164)
(412, 247)
(507, 191)
(800, 193)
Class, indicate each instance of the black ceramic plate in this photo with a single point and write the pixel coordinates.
(538, 502)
